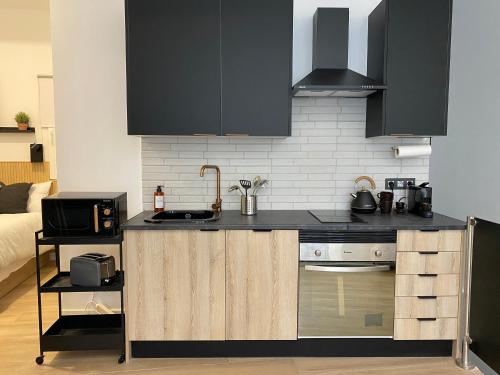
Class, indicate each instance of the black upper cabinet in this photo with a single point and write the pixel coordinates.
(256, 52)
(209, 67)
(409, 49)
(173, 67)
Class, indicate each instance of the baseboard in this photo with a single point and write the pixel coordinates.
(382, 347)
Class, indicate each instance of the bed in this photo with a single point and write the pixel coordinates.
(17, 231)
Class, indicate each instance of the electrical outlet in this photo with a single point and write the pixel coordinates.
(399, 183)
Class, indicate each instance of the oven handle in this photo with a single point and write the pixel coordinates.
(348, 269)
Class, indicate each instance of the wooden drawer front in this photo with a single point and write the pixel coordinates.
(414, 329)
(424, 307)
(417, 263)
(416, 285)
(444, 240)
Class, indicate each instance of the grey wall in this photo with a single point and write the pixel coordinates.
(465, 165)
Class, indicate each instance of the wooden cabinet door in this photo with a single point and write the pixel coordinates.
(175, 285)
(256, 66)
(173, 67)
(261, 285)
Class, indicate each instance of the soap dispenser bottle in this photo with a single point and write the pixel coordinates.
(158, 199)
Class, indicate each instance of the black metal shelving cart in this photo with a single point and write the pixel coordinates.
(80, 332)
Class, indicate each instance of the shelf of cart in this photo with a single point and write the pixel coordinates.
(84, 332)
(115, 240)
(62, 283)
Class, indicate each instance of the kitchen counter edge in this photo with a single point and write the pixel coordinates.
(300, 220)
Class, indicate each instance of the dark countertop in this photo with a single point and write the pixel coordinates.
(301, 219)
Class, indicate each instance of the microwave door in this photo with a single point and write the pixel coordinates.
(70, 218)
(346, 300)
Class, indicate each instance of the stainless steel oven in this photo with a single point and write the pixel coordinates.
(346, 284)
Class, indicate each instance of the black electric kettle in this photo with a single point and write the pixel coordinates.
(364, 202)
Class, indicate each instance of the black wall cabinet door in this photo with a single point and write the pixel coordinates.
(415, 36)
(256, 52)
(173, 66)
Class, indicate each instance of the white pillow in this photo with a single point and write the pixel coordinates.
(36, 193)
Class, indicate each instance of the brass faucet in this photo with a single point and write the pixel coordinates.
(217, 206)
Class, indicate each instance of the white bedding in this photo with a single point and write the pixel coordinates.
(17, 240)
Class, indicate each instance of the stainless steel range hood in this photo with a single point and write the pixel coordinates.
(330, 75)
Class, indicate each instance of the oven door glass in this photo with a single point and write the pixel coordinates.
(340, 299)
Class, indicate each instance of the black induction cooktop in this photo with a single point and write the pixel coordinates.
(335, 216)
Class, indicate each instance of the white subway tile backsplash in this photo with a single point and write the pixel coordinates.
(314, 168)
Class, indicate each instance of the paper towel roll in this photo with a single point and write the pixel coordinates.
(412, 151)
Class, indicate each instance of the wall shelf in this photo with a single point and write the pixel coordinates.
(12, 129)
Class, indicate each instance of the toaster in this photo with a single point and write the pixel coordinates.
(92, 269)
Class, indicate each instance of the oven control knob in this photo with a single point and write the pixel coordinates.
(317, 253)
(107, 211)
(378, 253)
(107, 224)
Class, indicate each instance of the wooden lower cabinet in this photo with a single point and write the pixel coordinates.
(261, 285)
(427, 285)
(414, 329)
(175, 285)
(426, 307)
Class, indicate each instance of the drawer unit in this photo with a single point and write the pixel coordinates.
(425, 329)
(427, 285)
(427, 263)
(444, 240)
(426, 307)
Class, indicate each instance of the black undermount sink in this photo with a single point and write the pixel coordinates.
(182, 216)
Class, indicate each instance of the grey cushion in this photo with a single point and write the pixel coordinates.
(14, 198)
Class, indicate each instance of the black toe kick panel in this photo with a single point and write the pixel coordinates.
(369, 347)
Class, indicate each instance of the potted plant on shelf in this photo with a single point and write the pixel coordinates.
(23, 121)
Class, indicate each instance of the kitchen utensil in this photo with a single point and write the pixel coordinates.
(248, 205)
(400, 206)
(261, 183)
(385, 206)
(385, 195)
(235, 187)
(364, 202)
(245, 184)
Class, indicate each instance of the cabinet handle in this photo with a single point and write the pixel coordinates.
(427, 297)
(402, 135)
(426, 319)
(236, 135)
(428, 252)
(427, 274)
(209, 230)
(204, 135)
(429, 230)
(262, 230)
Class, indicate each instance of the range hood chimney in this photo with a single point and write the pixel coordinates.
(330, 75)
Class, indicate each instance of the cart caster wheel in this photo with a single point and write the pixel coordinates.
(121, 358)
(39, 360)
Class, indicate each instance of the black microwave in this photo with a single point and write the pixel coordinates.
(74, 214)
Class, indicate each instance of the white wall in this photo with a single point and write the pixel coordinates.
(465, 164)
(94, 152)
(25, 52)
(303, 35)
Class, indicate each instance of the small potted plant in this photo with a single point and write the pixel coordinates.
(23, 121)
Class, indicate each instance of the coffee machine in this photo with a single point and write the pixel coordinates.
(420, 200)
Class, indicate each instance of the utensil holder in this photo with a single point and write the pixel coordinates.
(249, 205)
